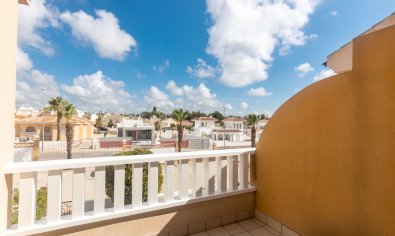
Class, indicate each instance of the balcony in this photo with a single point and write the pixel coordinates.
(190, 179)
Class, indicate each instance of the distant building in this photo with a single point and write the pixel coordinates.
(30, 126)
(203, 126)
(137, 130)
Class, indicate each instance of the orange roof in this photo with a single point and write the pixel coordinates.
(235, 119)
(50, 119)
(204, 118)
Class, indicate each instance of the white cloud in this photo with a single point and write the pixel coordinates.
(200, 98)
(202, 70)
(30, 81)
(23, 61)
(102, 31)
(156, 97)
(228, 106)
(304, 69)
(33, 18)
(174, 89)
(325, 73)
(141, 75)
(333, 13)
(97, 92)
(162, 68)
(245, 34)
(258, 92)
(243, 105)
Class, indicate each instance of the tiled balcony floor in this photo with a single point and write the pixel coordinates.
(251, 227)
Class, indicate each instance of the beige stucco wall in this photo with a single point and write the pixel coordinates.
(341, 60)
(8, 44)
(173, 221)
(326, 161)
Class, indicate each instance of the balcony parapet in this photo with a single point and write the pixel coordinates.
(189, 177)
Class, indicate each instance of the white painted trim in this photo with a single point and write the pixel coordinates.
(21, 167)
(108, 215)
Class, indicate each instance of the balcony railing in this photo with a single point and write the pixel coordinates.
(188, 178)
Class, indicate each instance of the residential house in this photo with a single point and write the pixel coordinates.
(137, 130)
(203, 126)
(30, 126)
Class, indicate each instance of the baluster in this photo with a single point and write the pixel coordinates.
(78, 193)
(137, 185)
(183, 179)
(54, 203)
(27, 199)
(119, 187)
(198, 177)
(169, 180)
(153, 182)
(100, 178)
(243, 171)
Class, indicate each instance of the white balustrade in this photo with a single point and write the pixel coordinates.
(201, 176)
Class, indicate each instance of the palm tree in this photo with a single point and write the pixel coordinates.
(179, 115)
(160, 116)
(252, 120)
(173, 127)
(69, 111)
(57, 104)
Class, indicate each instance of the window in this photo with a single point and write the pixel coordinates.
(30, 129)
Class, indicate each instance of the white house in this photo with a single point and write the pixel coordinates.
(137, 130)
(233, 130)
(203, 126)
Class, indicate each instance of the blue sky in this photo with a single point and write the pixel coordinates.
(128, 56)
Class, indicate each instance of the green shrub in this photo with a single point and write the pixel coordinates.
(129, 175)
(41, 207)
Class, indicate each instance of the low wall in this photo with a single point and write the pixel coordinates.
(326, 161)
(182, 220)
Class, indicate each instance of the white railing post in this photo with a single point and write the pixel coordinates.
(137, 185)
(199, 173)
(78, 210)
(100, 179)
(153, 182)
(54, 203)
(119, 187)
(169, 180)
(27, 199)
(183, 179)
(243, 171)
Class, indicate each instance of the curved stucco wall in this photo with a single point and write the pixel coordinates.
(326, 160)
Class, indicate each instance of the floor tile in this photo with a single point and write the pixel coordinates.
(260, 232)
(234, 229)
(244, 234)
(201, 234)
(218, 232)
(249, 224)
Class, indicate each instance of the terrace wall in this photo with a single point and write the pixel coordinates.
(326, 161)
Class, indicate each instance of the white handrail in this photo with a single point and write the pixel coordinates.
(21, 167)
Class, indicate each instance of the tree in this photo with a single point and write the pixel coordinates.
(194, 114)
(252, 120)
(99, 122)
(69, 111)
(110, 123)
(128, 177)
(173, 127)
(57, 104)
(179, 115)
(160, 116)
(145, 115)
(217, 115)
